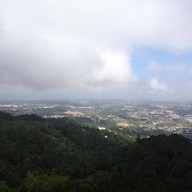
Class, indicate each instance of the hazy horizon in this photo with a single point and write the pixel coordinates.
(69, 49)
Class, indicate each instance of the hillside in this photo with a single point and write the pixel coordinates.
(54, 155)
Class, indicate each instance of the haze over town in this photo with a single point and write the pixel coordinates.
(96, 49)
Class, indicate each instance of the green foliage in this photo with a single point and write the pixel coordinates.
(163, 161)
(44, 183)
(4, 187)
(54, 155)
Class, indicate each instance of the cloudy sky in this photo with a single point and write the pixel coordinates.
(78, 49)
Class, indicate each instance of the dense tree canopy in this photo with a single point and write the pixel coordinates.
(54, 155)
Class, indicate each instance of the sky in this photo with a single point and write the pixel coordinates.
(104, 49)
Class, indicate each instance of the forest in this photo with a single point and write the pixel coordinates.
(61, 155)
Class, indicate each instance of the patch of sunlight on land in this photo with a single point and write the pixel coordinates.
(122, 124)
(74, 113)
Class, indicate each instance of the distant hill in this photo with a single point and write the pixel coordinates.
(54, 155)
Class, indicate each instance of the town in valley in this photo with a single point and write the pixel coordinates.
(134, 118)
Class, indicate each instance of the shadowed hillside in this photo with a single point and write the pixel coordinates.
(54, 155)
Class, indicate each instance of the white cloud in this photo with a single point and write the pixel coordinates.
(108, 22)
(113, 70)
(157, 86)
(116, 67)
(179, 68)
(54, 44)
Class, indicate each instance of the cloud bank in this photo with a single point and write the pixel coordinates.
(85, 47)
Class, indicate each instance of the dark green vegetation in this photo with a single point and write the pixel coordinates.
(59, 155)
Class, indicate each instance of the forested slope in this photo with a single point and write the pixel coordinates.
(54, 155)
